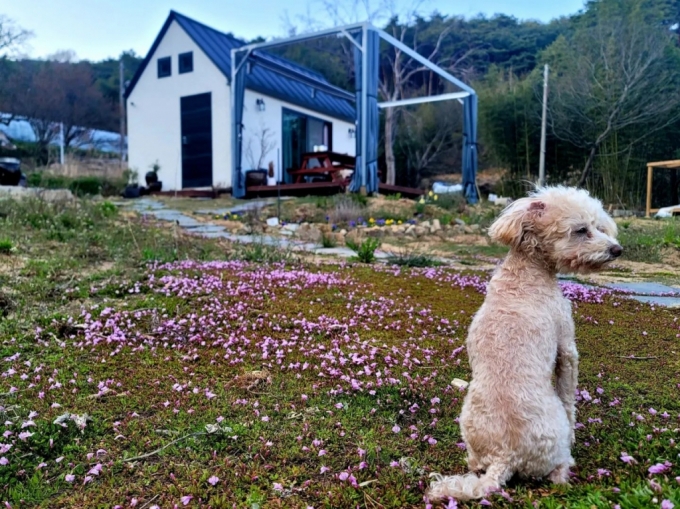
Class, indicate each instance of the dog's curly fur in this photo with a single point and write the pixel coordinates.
(514, 421)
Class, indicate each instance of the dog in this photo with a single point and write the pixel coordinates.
(513, 420)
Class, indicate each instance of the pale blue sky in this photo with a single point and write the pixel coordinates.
(97, 29)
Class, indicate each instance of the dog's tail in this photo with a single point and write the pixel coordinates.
(468, 486)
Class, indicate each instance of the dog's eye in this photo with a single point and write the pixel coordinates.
(582, 231)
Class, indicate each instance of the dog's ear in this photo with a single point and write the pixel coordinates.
(515, 221)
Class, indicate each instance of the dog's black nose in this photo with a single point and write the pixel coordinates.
(616, 251)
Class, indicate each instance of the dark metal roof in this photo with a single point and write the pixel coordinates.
(269, 74)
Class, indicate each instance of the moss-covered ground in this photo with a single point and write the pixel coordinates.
(179, 374)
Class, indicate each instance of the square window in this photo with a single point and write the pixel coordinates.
(186, 62)
(164, 67)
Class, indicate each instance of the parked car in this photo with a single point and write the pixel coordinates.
(10, 172)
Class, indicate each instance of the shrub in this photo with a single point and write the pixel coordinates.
(407, 259)
(328, 240)
(346, 210)
(366, 250)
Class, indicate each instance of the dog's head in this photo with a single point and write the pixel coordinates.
(563, 227)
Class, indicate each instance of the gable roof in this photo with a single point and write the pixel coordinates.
(268, 74)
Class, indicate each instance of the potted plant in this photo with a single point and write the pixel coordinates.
(151, 177)
(271, 177)
(132, 189)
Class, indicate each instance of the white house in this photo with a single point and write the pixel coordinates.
(178, 110)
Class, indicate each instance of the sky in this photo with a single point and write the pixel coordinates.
(97, 29)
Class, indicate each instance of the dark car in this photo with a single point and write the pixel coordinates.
(10, 172)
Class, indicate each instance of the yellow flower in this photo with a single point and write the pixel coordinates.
(422, 200)
(399, 222)
(430, 193)
(371, 220)
(435, 197)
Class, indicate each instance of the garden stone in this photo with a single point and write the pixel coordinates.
(310, 233)
(273, 221)
(375, 233)
(419, 231)
(291, 227)
(354, 236)
(436, 225)
(411, 231)
(425, 224)
(460, 222)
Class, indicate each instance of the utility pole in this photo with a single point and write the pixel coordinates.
(541, 164)
(122, 112)
(61, 143)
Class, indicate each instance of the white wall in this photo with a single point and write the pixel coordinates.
(272, 118)
(154, 123)
(153, 113)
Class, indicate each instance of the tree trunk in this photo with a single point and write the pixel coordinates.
(674, 186)
(390, 115)
(589, 165)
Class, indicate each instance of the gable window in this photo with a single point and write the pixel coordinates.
(164, 67)
(186, 62)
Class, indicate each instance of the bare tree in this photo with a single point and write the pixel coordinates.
(259, 145)
(429, 132)
(612, 76)
(12, 36)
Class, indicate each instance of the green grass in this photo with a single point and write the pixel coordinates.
(76, 266)
(646, 241)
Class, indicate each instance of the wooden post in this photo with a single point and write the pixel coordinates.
(649, 190)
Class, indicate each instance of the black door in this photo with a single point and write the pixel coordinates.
(197, 164)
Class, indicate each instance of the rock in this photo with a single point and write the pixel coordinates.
(436, 225)
(503, 202)
(461, 384)
(468, 230)
(338, 238)
(459, 221)
(354, 236)
(325, 228)
(410, 231)
(425, 224)
(475, 228)
(291, 227)
(419, 231)
(309, 232)
(375, 233)
(343, 232)
(273, 221)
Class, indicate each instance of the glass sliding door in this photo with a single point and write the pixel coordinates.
(294, 142)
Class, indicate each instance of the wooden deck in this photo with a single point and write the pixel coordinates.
(303, 188)
(406, 192)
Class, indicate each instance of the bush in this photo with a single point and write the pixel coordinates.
(407, 259)
(328, 241)
(346, 210)
(366, 250)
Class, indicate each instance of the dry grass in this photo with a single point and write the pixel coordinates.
(109, 169)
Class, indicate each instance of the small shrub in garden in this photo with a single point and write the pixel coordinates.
(366, 250)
